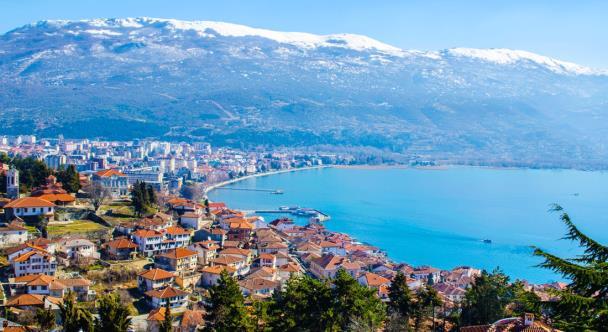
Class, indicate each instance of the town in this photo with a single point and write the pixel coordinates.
(86, 218)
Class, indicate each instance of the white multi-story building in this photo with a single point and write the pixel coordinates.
(30, 207)
(12, 234)
(115, 181)
(34, 261)
(149, 241)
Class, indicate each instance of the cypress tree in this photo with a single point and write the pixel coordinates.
(400, 297)
(583, 305)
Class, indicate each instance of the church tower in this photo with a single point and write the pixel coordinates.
(12, 183)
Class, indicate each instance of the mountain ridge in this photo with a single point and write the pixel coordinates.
(183, 80)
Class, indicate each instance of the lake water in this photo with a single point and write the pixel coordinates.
(439, 217)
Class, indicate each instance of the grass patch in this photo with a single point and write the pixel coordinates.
(75, 227)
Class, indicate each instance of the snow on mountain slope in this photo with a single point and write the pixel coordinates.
(233, 84)
(208, 29)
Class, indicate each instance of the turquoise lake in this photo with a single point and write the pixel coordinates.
(439, 217)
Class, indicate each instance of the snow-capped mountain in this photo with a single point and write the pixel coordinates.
(237, 84)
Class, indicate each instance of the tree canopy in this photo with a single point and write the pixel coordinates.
(226, 310)
(143, 197)
(583, 305)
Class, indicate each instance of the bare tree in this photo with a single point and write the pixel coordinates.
(97, 194)
(193, 191)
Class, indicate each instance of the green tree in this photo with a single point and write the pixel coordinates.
(70, 178)
(400, 296)
(226, 310)
(143, 197)
(583, 305)
(113, 315)
(305, 304)
(524, 301)
(355, 303)
(167, 324)
(261, 315)
(485, 301)
(32, 172)
(428, 300)
(73, 317)
(45, 319)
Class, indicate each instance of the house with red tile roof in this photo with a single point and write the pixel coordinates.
(34, 261)
(206, 250)
(177, 260)
(30, 207)
(53, 191)
(176, 298)
(328, 265)
(114, 181)
(191, 321)
(120, 249)
(154, 279)
(211, 274)
(13, 233)
(258, 287)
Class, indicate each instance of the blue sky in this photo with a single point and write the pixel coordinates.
(568, 30)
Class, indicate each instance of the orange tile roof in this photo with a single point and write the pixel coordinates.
(147, 233)
(57, 197)
(192, 319)
(166, 292)
(217, 269)
(29, 254)
(176, 230)
(28, 202)
(235, 251)
(121, 244)
(156, 274)
(157, 314)
(26, 300)
(109, 172)
(178, 253)
(227, 260)
(375, 280)
(241, 225)
(258, 284)
(290, 267)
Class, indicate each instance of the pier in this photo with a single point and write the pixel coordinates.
(302, 212)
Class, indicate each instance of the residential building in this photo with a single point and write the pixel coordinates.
(178, 260)
(34, 261)
(30, 207)
(154, 279)
(113, 180)
(120, 249)
(176, 298)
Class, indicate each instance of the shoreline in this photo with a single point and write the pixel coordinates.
(256, 175)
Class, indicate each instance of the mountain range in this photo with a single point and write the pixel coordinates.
(237, 85)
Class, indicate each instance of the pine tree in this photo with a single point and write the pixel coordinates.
(305, 304)
(485, 301)
(113, 315)
(73, 317)
(45, 319)
(226, 311)
(355, 303)
(400, 298)
(583, 305)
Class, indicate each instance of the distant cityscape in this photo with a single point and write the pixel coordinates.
(133, 215)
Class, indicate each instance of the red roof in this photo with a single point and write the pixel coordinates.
(156, 274)
(121, 244)
(147, 233)
(109, 172)
(178, 253)
(29, 202)
(167, 292)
